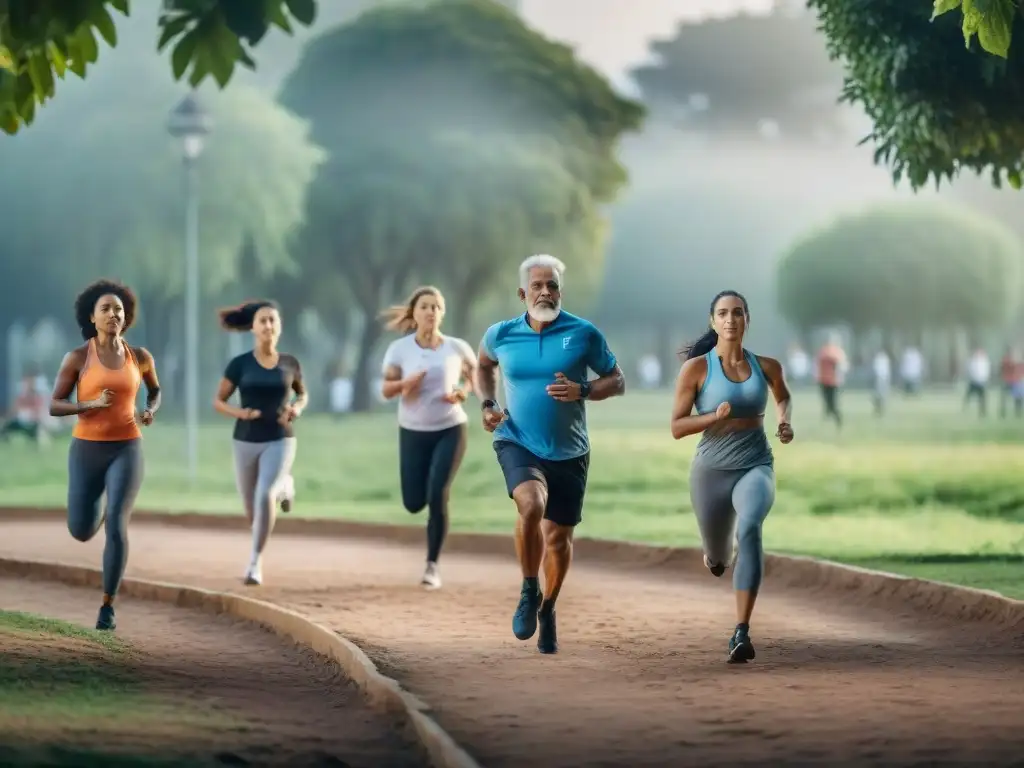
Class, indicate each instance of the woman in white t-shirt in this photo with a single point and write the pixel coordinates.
(433, 375)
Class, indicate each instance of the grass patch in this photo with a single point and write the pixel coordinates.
(925, 481)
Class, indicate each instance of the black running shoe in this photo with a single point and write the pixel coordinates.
(547, 639)
(741, 650)
(106, 620)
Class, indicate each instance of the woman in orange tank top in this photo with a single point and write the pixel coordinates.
(106, 443)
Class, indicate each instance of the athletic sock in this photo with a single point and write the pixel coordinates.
(533, 582)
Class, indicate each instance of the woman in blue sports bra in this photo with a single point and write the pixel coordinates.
(732, 480)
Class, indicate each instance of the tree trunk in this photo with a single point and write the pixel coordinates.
(158, 315)
(466, 295)
(362, 398)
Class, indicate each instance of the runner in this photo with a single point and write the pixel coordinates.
(541, 437)
(732, 480)
(106, 442)
(433, 375)
(264, 436)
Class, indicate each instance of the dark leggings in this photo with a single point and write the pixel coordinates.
(95, 466)
(428, 462)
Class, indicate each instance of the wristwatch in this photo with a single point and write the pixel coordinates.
(585, 387)
(488, 404)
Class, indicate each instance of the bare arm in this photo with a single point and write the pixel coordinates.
(220, 403)
(612, 385)
(688, 382)
(149, 378)
(469, 376)
(486, 379)
(67, 380)
(393, 384)
(298, 405)
(780, 390)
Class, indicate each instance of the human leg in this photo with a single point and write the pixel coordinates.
(446, 458)
(711, 498)
(87, 469)
(415, 451)
(247, 462)
(527, 487)
(123, 480)
(275, 464)
(752, 497)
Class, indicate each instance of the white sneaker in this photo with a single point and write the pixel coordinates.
(286, 496)
(253, 575)
(431, 577)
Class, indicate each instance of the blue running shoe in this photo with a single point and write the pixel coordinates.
(741, 650)
(105, 620)
(524, 621)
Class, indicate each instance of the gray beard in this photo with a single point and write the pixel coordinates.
(545, 314)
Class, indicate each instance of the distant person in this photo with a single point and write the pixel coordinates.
(732, 477)
(649, 369)
(27, 416)
(881, 380)
(799, 364)
(1011, 373)
(106, 443)
(341, 392)
(540, 437)
(979, 371)
(432, 376)
(264, 435)
(911, 370)
(832, 367)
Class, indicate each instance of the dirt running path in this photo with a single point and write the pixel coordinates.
(286, 709)
(640, 680)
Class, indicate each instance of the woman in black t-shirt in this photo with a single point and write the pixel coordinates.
(264, 438)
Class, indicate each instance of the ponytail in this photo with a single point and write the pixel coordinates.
(241, 317)
(399, 316)
(701, 346)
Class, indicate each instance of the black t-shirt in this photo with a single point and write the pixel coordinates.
(265, 389)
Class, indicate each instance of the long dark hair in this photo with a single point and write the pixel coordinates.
(241, 318)
(709, 340)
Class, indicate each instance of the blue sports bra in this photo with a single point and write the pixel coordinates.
(748, 398)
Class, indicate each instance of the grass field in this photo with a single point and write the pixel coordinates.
(66, 690)
(929, 490)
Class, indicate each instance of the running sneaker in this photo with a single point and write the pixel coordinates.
(547, 639)
(524, 621)
(106, 620)
(717, 569)
(253, 575)
(431, 577)
(741, 650)
(286, 497)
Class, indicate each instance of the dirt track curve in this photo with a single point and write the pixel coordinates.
(640, 679)
(285, 708)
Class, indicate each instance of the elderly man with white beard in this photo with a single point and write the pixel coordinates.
(540, 437)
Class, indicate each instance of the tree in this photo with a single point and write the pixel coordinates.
(904, 268)
(991, 20)
(118, 208)
(938, 107)
(464, 142)
(735, 65)
(41, 40)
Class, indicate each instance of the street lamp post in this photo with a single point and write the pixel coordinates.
(191, 124)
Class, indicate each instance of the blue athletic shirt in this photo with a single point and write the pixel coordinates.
(529, 360)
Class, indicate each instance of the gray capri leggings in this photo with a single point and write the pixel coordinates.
(95, 466)
(731, 502)
(261, 469)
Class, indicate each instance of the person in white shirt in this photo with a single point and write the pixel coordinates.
(650, 371)
(799, 368)
(912, 370)
(979, 371)
(881, 369)
(433, 375)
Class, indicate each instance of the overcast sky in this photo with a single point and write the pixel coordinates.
(612, 35)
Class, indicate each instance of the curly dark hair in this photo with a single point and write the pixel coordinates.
(85, 303)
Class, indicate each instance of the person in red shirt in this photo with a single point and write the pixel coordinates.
(26, 416)
(831, 369)
(1011, 371)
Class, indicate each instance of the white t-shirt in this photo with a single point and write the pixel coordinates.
(428, 412)
(979, 369)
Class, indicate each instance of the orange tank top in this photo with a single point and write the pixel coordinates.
(116, 422)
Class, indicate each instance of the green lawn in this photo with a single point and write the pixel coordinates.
(929, 490)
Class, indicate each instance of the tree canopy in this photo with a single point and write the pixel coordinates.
(459, 142)
(938, 107)
(42, 40)
(749, 68)
(904, 267)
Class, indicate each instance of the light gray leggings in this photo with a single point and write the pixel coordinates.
(728, 501)
(262, 470)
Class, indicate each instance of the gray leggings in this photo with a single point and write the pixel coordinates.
(729, 501)
(261, 472)
(95, 466)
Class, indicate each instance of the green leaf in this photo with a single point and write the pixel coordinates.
(1014, 179)
(277, 16)
(42, 76)
(9, 122)
(102, 20)
(303, 10)
(995, 30)
(170, 28)
(121, 6)
(944, 6)
(184, 52)
(60, 62)
(76, 58)
(6, 62)
(87, 47)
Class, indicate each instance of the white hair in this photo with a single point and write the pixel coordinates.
(540, 260)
